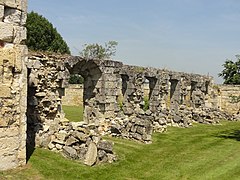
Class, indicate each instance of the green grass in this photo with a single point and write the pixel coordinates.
(200, 152)
(73, 113)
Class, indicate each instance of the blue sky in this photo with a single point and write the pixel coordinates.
(194, 36)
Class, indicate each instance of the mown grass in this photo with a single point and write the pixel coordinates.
(200, 152)
(73, 113)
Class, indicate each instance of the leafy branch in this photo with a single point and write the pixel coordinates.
(97, 51)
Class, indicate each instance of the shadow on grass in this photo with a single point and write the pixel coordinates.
(30, 150)
(231, 134)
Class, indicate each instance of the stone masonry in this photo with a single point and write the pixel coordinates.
(227, 98)
(46, 125)
(73, 95)
(115, 98)
(119, 100)
(13, 83)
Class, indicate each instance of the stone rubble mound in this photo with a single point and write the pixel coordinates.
(135, 128)
(81, 142)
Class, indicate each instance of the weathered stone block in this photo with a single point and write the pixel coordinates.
(23, 19)
(3, 122)
(106, 146)
(20, 35)
(19, 4)
(1, 72)
(12, 15)
(5, 91)
(8, 162)
(21, 54)
(70, 152)
(22, 5)
(71, 140)
(1, 12)
(6, 32)
(111, 85)
(10, 3)
(91, 155)
(110, 107)
(8, 146)
(80, 135)
(110, 99)
(7, 55)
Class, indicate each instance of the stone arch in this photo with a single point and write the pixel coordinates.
(91, 71)
(174, 94)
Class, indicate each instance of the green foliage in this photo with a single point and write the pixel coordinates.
(231, 71)
(139, 69)
(234, 99)
(200, 152)
(96, 51)
(76, 79)
(146, 103)
(42, 36)
(120, 102)
(73, 113)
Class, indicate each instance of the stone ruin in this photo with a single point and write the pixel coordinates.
(13, 83)
(46, 125)
(115, 98)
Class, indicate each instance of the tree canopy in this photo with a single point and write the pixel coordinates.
(76, 79)
(97, 51)
(41, 35)
(231, 71)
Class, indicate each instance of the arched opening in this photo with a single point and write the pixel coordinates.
(121, 95)
(174, 94)
(207, 83)
(93, 86)
(149, 85)
(47, 80)
(125, 80)
(72, 101)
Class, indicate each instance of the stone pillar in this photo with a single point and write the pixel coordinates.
(13, 83)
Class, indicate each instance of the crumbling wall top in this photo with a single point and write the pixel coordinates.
(16, 4)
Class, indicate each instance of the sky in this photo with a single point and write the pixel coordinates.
(194, 36)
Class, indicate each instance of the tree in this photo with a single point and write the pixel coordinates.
(231, 71)
(41, 35)
(76, 79)
(96, 51)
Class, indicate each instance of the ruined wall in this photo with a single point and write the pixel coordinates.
(227, 98)
(99, 94)
(122, 100)
(133, 101)
(13, 83)
(73, 95)
(172, 99)
(46, 125)
(117, 100)
(47, 78)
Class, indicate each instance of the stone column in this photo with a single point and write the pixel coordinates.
(13, 83)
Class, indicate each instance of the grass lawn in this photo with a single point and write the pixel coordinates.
(73, 113)
(200, 152)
